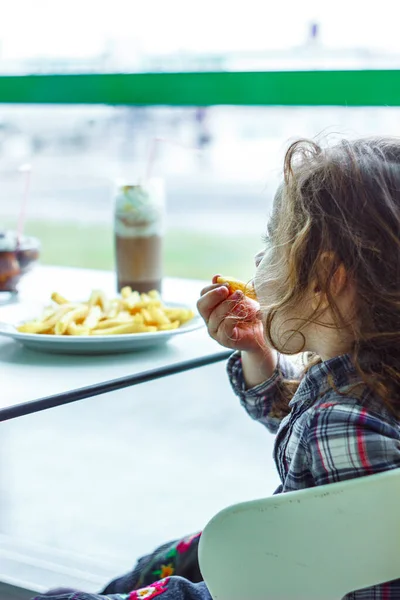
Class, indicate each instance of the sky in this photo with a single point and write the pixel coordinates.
(81, 28)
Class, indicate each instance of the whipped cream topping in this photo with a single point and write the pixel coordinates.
(139, 209)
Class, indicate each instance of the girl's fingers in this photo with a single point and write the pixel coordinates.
(224, 311)
(211, 297)
(213, 286)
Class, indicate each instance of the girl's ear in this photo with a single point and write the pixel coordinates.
(331, 274)
(339, 280)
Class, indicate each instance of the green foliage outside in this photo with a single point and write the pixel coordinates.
(188, 254)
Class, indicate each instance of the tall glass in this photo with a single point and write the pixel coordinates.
(139, 218)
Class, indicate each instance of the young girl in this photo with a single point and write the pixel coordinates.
(328, 282)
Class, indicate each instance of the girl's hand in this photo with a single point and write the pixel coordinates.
(232, 320)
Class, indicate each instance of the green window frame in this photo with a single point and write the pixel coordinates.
(288, 88)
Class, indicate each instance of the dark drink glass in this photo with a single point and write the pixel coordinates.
(16, 258)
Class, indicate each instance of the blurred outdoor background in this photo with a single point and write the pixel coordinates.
(221, 165)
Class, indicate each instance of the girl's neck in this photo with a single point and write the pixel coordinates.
(329, 343)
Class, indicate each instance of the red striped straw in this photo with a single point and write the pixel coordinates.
(27, 170)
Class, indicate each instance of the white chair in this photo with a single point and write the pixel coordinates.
(315, 544)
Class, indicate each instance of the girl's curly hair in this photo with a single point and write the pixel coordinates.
(345, 200)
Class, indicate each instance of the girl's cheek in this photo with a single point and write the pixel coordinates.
(268, 276)
(262, 279)
(265, 295)
(258, 258)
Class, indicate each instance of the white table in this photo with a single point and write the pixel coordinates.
(32, 381)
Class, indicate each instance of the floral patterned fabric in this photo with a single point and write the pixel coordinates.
(169, 588)
(171, 571)
(151, 591)
(175, 558)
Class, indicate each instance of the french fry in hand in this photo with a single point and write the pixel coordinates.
(235, 284)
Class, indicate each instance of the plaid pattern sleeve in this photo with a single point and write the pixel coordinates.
(345, 441)
(261, 402)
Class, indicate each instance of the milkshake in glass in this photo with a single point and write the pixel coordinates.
(139, 216)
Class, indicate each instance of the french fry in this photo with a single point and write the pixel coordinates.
(155, 295)
(74, 314)
(124, 315)
(139, 306)
(58, 299)
(147, 318)
(131, 300)
(74, 329)
(98, 298)
(186, 315)
(125, 328)
(114, 308)
(180, 314)
(42, 326)
(108, 323)
(234, 284)
(33, 327)
(48, 312)
(158, 316)
(128, 314)
(173, 325)
(93, 317)
(138, 318)
(126, 292)
(94, 298)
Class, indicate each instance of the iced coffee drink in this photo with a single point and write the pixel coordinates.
(139, 229)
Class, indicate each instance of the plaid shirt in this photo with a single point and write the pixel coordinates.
(327, 437)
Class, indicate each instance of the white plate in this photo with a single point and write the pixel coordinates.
(85, 344)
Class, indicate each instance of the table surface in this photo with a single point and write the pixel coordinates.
(28, 375)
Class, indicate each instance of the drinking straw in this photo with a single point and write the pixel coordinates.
(27, 170)
(153, 152)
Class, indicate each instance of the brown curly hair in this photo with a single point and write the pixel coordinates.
(345, 200)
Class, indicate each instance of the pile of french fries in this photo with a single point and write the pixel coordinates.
(130, 313)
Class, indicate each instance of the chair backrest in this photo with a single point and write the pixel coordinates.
(315, 544)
